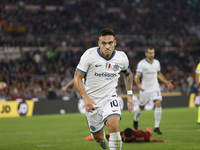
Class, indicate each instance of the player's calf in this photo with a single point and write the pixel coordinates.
(104, 143)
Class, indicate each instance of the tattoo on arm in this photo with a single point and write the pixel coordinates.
(128, 78)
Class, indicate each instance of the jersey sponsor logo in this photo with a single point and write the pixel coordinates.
(105, 74)
(151, 72)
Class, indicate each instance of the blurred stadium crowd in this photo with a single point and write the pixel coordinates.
(41, 41)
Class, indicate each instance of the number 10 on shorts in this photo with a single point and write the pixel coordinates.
(114, 103)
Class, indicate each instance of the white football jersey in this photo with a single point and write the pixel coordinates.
(101, 75)
(149, 74)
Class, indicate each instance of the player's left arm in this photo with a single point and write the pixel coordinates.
(167, 82)
(128, 79)
(152, 139)
(67, 85)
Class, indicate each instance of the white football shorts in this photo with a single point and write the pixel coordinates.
(96, 120)
(145, 97)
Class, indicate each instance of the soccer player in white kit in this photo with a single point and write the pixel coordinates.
(146, 78)
(101, 67)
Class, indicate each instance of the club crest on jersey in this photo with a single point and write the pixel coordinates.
(115, 67)
(108, 66)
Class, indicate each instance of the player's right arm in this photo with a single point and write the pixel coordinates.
(88, 102)
(137, 81)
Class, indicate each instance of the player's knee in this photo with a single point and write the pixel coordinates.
(112, 127)
(113, 124)
(158, 104)
(142, 107)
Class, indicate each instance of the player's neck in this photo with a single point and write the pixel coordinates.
(149, 60)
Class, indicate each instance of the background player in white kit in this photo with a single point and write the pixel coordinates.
(146, 78)
(101, 67)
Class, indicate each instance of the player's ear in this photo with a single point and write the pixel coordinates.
(115, 42)
(99, 43)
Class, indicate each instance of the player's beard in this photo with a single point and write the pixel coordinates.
(151, 58)
(108, 53)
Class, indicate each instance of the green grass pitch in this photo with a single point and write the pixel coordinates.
(67, 132)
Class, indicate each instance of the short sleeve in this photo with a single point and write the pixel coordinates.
(158, 67)
(139, 67)
(125, 68)
(83, 64)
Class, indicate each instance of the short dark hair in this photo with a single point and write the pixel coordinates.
(106, 31)
(128, 132)
(148, 47)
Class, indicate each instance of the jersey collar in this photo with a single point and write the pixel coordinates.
(148, 61)
(113, 54)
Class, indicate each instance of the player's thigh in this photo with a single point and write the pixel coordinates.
(144, 98)
(94, 121)
(113, 123)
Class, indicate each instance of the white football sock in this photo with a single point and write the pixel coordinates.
(115, 141)
(92, 136)
(138, 111)
(157, 116)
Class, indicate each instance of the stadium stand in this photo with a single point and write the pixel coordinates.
(41, 41)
